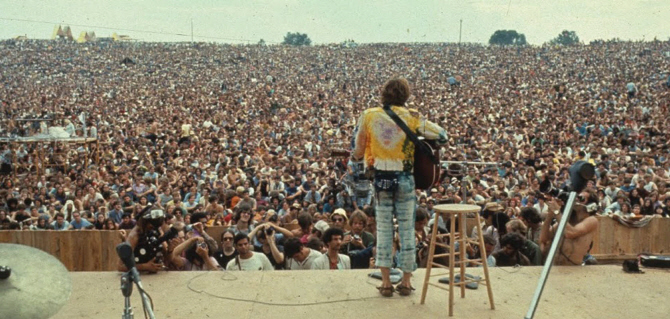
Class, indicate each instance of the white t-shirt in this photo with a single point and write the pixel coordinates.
(257, 261)
(292, 264)
(185, 130)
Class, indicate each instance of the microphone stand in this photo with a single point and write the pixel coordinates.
(464, 171)
(127, 290)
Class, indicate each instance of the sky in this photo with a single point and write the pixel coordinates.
(333, 21)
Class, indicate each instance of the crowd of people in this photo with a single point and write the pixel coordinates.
(252, 137)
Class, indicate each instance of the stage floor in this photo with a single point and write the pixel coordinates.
(571, 292)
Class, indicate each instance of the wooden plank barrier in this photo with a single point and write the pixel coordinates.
(84, 250)
(94, 250)
(616, 240)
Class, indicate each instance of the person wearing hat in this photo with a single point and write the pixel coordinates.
(382, 145)
(339, 218)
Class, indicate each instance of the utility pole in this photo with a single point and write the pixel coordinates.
(460, 32)
(191, 30)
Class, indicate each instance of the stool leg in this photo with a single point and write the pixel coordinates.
(452, 248)
(463, 243)
(429, 264)
(482, 248)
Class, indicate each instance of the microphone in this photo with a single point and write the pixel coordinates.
(125, 252)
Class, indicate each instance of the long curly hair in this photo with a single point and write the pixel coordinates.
(395, 92)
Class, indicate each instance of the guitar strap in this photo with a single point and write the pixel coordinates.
(412, 137)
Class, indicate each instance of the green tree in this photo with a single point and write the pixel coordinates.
(507, 37)
(261, 42)
(296, 39)
(566, 38)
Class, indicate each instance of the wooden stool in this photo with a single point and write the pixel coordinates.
(456, 211)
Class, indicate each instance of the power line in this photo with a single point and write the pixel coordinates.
(128, 30)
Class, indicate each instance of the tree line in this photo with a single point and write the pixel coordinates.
(499, 37)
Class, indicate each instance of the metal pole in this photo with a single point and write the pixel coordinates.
(460, 32)
(558, 239)
(191, 30)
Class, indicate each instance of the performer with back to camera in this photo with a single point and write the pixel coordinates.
(388, 151)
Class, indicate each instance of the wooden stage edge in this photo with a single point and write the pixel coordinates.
(570, 292)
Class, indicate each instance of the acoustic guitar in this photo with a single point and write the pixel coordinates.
(426, 171)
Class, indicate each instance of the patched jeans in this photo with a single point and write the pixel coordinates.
(401, 204)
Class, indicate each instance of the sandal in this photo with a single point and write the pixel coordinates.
(386, 291)
(404, 290)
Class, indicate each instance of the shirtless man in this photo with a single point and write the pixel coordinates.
(213, 208)
(578, 234)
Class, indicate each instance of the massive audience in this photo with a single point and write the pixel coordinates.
(252, 137)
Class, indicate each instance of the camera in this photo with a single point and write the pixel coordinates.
(357, 237)
(202, 245)
(149, 245)
(270, 230)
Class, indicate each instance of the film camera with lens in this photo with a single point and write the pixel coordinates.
(149, 244)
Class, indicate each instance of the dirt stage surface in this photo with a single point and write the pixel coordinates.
(571, 292)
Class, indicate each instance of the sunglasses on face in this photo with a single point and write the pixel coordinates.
(337, 220)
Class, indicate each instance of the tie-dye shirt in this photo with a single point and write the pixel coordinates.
(384, 144)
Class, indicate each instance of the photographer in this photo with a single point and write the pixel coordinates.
(196, 257)
(579, 230)
(143, 237)
(265, 234)
(199, 220)
(357, 243)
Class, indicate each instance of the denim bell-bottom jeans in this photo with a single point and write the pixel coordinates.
(401, 204)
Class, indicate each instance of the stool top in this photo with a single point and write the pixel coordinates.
(456, 208)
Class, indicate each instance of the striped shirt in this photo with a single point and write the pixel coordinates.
(384, 144)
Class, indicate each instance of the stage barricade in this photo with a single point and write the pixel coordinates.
(616, 241)
(94, 250)
(81, 250)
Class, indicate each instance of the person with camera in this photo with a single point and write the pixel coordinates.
(265, 234)
(357, 243)
(143, 238)
(579, 230)
(247, 259)
(199, 220)
(196, 255)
